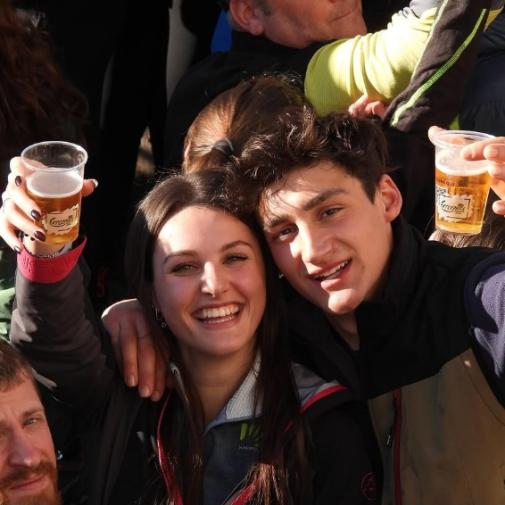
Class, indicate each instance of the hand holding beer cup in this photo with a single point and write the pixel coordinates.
(54, 179)
(461, 184)
(493, 151)
(40, 206)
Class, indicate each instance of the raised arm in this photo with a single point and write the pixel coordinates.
(53, 323)
(54, 326)
(485, 288)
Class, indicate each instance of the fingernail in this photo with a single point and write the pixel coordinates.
(131, 380)
(39, 236)
(35, 214)
(18, 180)
(492, 152)
(17, 249)
(95, 183)
(145, 392)
(156, 396)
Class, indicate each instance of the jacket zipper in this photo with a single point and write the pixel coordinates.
(397, 427)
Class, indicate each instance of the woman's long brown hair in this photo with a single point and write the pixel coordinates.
(279, 476)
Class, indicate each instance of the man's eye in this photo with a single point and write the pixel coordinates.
(331, 211)
(284, 233)
(32, 420)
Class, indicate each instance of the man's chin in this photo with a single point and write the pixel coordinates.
(47, 497)
(341, 304)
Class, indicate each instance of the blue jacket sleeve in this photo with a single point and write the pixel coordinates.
(485, 306)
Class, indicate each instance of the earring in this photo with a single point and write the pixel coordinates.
(159, 318)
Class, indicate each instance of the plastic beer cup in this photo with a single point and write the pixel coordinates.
(54, 180)
(461, 186)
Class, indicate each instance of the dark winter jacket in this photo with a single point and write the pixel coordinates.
(434, 338)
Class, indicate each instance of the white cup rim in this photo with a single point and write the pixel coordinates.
(438, 138)
(77, 147)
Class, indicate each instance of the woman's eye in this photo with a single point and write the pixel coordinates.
(232, 258)
(183, 268)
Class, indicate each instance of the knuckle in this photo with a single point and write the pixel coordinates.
(145, 337)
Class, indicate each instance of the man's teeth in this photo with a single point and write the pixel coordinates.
(218, 312)
(333, 272)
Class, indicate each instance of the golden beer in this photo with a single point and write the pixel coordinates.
(58, 194)
(460, 196)
(461, 185)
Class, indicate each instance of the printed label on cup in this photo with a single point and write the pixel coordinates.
(61, 222)
(453, 208)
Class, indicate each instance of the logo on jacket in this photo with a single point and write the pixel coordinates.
(250, 436)
(369, 487)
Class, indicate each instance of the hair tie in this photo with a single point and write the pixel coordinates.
(224, 145)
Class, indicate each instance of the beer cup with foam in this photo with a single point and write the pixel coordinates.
(54, 180)
(461, 186)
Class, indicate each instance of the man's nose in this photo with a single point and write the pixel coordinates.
(23, 452)
(312, 246)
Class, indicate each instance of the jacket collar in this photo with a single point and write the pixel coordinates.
(402, 277)
(242, 405)
(245, 42)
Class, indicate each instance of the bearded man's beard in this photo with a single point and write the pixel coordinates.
(49, 496)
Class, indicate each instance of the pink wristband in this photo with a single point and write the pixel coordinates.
(49, 270)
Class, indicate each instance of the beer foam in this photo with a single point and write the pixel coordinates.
(54, 185)
(451, 163)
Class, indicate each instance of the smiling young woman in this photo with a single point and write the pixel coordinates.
(240, 423)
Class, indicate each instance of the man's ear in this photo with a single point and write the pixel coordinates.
(389, 197)
(247, 16)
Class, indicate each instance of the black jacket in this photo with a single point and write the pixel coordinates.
(418, 323)
(484, 102)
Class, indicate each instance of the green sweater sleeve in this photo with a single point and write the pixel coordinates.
(377, 64)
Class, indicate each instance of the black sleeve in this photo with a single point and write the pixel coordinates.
(55, 328)
(343, 464)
